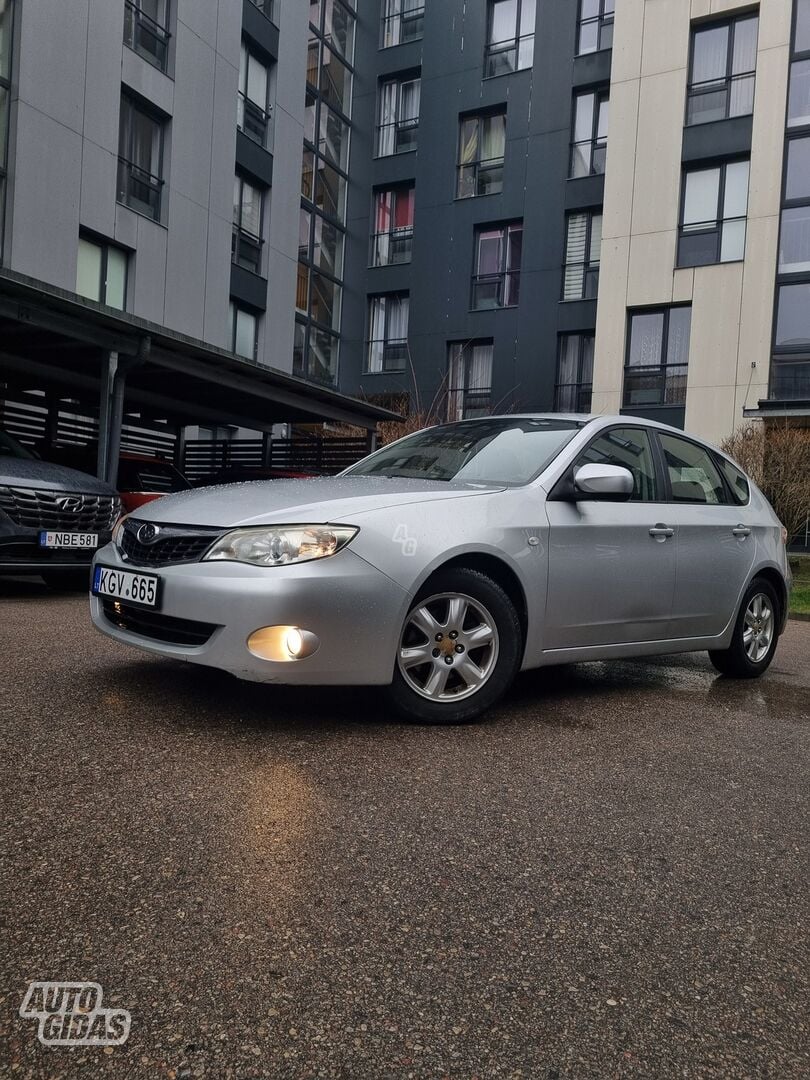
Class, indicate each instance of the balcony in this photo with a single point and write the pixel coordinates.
(395, 246)
(252, 120)
(720, 99)
(138, 189)
(246, 250)
(145, 36)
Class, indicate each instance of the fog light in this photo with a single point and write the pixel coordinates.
(282, 644)
(294, 641)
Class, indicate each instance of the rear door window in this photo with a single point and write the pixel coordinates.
(737, 482)
(693, 475)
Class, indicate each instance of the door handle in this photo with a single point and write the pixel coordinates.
(741, 531)
(661, 532)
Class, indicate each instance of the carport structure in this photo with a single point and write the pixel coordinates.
(120, 368)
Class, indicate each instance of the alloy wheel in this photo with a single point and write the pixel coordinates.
(449, 647)
(758, 628)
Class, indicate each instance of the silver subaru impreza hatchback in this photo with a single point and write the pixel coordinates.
(444, 563)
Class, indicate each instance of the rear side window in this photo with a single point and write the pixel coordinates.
(737, 482)
(630, 448)
(693, 476)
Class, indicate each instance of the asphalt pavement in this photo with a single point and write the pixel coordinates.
(605, 878)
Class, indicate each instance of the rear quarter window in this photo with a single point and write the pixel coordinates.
(737, 482)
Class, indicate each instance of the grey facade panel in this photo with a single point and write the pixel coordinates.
(260, 29)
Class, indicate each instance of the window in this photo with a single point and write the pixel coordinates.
(657, 356)
(799, 94)
(482, 143)
(243, 329)
(794, 240)
(737, 482)
(140, 149)
(101, 272)
(693, 475)
(714, 205)
(629, 448)
(722, 70)
(589, 141)
(583, 240)
(388, 333)
(246, 243)
(145, 30)
(801, 29)
(398, 117)
(252, 113)
(496, 278)
(595, 26)
(469, 379)
(574, 373)
(338, 27)
(392, 239)
(510, 36)
(402, 20)
(792, 320)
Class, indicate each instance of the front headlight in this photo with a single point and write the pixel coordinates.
(281, 545)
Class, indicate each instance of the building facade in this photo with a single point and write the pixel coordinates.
(140, 169)
(556, 205)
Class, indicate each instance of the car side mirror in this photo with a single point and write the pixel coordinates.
(607, 482)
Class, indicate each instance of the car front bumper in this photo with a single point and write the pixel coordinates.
(355, 611)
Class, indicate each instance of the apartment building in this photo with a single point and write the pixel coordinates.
(559, 205)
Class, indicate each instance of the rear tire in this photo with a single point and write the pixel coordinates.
(459, 650)
(753, 642)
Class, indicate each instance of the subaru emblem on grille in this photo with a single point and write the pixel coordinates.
(70, 502)
(148, 533)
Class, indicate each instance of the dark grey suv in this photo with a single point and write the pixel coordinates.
(52, 519)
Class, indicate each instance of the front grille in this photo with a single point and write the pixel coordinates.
(151, 624)
(59, 511)
(11, 554)
(174, 544)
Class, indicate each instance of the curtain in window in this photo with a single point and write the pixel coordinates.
(575, 241)
(468, 151)
(493, 137)
(479, 371)
(409, 100)
(710, 54)
(490, 252)
(397, 318)
(744, 57)
(700, 200)
(386, 134)
(403, 209)
(503, 21)
(376, 343)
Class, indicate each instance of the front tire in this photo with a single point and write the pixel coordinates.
(753, 642)
(459, 650)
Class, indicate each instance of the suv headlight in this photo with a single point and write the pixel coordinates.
(282, 544)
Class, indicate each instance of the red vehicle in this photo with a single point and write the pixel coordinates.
(142, 478)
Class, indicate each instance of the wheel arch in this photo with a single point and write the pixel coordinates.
(775, 579)
(492, 567)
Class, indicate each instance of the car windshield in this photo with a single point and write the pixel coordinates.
(486, 451)
(151, 476)
(10, 448)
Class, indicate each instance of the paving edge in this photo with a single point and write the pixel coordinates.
(797, 617)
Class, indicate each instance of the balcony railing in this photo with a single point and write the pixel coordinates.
(467, 404)
(705, 242)
(390, 355)
(790, 381)
(595, 34)
(588, 157)
(139, 189)
(397, 137)
(246, 250)
(504, 57)
(402, 27)
(719, 99)
(573, 397)
(265, 6)
(252, 119)
(580, 281)
(145, 36)
(391, 247)
(655, 385)
(480, 178)
(495, 290)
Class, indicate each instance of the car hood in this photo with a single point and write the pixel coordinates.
(43, 476)
(333, 498)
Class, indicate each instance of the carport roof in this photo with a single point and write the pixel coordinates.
(59, 340)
